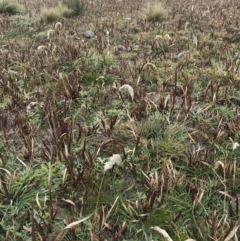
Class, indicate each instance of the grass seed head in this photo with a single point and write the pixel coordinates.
(113, 160)
(58, 25)
(235, 145)
(129, 88)
(218, 164)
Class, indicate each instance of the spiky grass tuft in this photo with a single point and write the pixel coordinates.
(10, 7)
(154, 11)
(52, 14)
(77, 7)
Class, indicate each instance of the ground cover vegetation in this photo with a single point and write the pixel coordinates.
(130, 134)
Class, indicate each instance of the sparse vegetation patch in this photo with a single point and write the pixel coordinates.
(115, 126)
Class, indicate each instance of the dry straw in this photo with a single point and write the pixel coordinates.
(154, 11)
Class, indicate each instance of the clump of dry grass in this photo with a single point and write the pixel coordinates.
(154, 11)
(77, 7)
(52, 14)
(10, 7)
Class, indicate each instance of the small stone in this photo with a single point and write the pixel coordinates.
(88, 34)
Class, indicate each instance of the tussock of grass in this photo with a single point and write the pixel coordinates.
(77, 7)
(10, 7)
(52, 14)
(154, 11)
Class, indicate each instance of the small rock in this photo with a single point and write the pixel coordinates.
(88, 34)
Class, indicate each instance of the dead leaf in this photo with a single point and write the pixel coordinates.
(71, 225)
